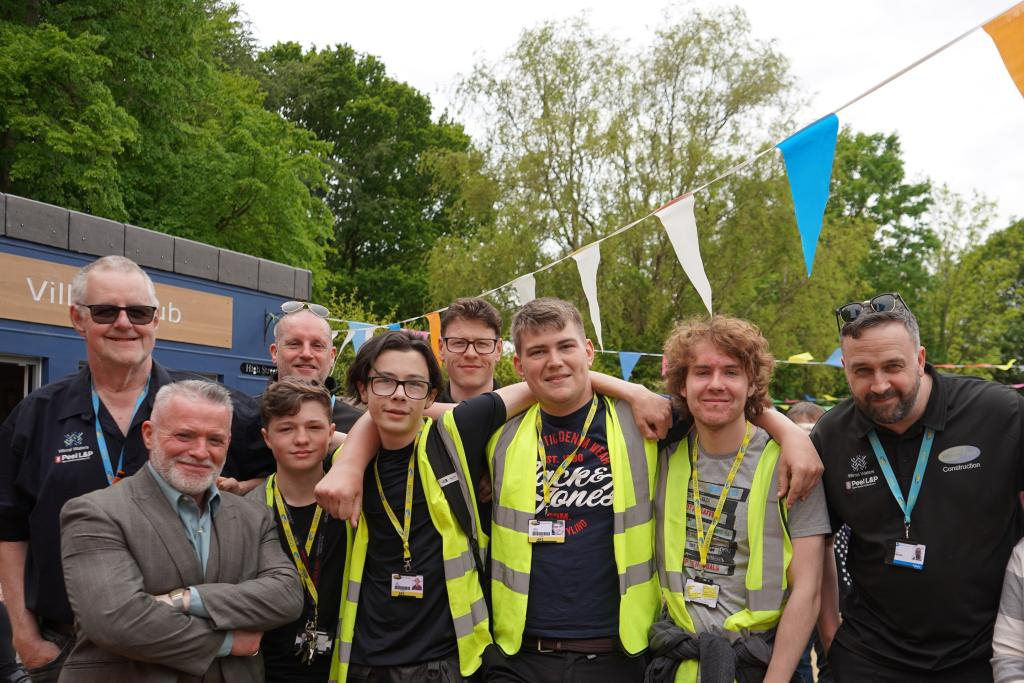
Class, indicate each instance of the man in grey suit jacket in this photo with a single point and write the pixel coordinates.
(169, 580)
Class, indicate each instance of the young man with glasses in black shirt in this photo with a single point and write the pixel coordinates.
(470, 349)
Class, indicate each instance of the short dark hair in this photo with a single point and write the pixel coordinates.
(545, 313)
(285, 397)
(359, 371)
(472, 308)
(872, 318)
(805, 411)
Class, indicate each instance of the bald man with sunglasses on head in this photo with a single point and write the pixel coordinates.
(303, 347)
(925, 469)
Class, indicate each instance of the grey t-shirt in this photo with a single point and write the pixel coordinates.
(730, 547)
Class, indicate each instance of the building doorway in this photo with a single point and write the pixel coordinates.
(19, 376)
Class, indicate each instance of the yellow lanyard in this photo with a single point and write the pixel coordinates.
(704, 541)
(546, 481)
(273, 494)
(403, 532)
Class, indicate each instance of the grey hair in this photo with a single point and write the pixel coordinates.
(278, 332)
(191, 390)
(116, 264)
(872, 318)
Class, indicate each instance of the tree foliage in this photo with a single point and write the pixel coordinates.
(394, 181)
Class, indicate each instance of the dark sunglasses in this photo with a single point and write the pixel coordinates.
(105, 314)
(296, 306)
(879, 304)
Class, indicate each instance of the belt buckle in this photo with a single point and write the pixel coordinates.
(541, 650)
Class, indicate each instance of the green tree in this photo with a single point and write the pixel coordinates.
(141, 112)
(395, 179)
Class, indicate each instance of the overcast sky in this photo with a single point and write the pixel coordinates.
(959, 116)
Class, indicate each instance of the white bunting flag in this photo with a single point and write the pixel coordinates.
(526, 288)
(587, 262)
(681, 226)
(348, 338)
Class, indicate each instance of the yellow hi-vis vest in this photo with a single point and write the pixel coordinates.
(465, 596)
(770, 548)
(512, 454)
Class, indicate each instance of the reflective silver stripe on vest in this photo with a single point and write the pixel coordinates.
(635, 575)
(672, 580)
(352, 594)
(459, 566)
(508, 433)
(453, 452)
(634, 515)
(517, 582)
(510, 518)
(659, 526)
(465, 624)
(771, 595)
(344, 652)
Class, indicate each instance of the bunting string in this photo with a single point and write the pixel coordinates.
(808, 154)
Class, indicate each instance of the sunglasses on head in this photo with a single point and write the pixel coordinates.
(105, 314)
(879, 304)
(296, 306)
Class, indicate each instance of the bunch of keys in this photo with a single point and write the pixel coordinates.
(305, 643)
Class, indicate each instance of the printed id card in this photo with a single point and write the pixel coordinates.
(905, 553)
(407, 586)
(702, 591)
(546, 531)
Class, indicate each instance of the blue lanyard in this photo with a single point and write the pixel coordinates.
(333, 397)
(890, 477)
(101, 440)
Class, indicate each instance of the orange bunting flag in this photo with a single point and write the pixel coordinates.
(1007, 32)
(434, 321)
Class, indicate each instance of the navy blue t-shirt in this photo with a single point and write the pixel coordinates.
(574, 586)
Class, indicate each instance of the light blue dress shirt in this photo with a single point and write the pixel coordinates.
(198, 530)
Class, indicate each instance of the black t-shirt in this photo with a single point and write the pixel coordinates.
(328, 555)
(574, 586)
(400, 631)
(967, 515)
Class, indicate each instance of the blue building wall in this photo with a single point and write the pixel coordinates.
(62, 349)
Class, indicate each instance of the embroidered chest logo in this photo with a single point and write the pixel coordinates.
(862, 474)
(959, 458)
(75, 449)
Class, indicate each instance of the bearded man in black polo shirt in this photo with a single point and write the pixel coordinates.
(925, 469)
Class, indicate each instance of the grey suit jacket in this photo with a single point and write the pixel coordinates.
(123, 544)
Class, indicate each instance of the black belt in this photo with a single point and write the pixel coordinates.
(586, 646)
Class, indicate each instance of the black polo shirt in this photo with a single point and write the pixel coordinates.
(967, 515)
(445, 395)
(49, 455)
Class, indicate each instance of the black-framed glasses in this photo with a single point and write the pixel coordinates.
(879, 304)
(459, 345)
(415, 389)
(105, 314)
(296, 306)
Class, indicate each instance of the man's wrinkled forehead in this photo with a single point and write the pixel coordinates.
(287, 325)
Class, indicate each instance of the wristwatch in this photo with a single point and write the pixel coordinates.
(177, 597)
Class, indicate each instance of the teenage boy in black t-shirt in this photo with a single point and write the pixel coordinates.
(297, 428)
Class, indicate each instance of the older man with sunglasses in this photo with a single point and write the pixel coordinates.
(925, 469)
(71, 437)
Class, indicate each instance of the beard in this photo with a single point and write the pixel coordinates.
(191, 485)
(892, 414)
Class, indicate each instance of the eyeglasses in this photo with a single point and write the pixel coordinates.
(415, 389)
(879, 304)
(105, 314)
(459, 345)
(296, 306)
